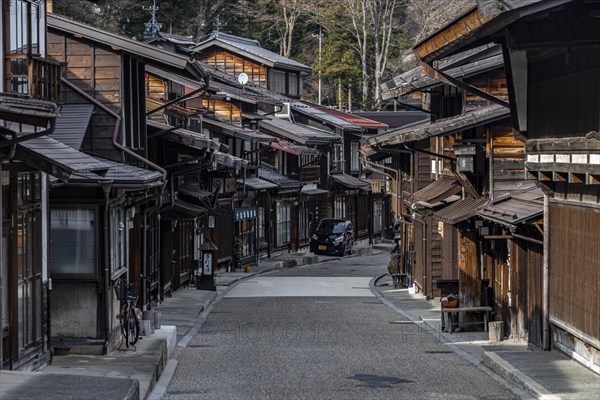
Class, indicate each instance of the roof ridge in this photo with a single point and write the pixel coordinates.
(228, 36)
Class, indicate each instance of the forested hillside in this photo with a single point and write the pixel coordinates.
(364, 42)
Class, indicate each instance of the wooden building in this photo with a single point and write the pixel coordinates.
(551, 57)
(461, 231)
(121, 215)
(235, 55)
(30, 159)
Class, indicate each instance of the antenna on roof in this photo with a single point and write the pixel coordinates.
(151, 28)
(219, 25)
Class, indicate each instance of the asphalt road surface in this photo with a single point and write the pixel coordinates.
(317, 332)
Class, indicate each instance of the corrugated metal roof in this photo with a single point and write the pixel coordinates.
(447, 126)
(438, 190)
(193, 189)
(312, 191)
(298, 133)
(291, 148)
(284, 183)
(238, 132)
(516, 208)
(58, 159)
(185, 137)
(121, 175)
(351, 118)
(258, 184)
(72, 123)
(229, 161)
(323, 116)
(251, 49)
(350, 182)
(460, 210)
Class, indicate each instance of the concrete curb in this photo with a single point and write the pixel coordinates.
(503, 368)
(439, 336)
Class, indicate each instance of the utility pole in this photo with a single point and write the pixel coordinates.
(340, 94)
(151, 28)
(320, 40)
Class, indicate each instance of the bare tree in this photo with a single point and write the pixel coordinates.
(370, 24)
(383, 16)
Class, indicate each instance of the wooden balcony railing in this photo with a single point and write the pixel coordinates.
(41, 75)
(44, 79)
(310, 174)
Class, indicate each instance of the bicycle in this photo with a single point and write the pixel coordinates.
(128, 318)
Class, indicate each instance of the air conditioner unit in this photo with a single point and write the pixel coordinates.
(285, 112)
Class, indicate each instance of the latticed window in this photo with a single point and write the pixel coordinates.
(22, 35)
(284, 222)
(24, 70)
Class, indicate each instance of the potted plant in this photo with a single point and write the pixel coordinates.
(450, 301)
(238, 253)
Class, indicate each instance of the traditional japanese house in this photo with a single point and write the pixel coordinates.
(235, 55)
(348, 195)
(294, 168)
(553, 67)
(311, 164)
(120, 217)
(31, 88)
(476, 161)
(373, 212)
(210, 114)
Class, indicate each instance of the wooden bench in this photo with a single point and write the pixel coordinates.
(453, 314)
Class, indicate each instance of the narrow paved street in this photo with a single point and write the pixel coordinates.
(317, 332)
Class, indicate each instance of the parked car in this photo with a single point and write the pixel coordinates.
(332, 236)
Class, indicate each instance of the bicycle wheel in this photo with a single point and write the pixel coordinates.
(132, 326)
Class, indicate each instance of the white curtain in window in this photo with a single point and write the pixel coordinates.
(72, 241)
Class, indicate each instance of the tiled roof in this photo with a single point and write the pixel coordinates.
(298, 133)
(252, 49)
(516, 208)
(438, 190)
(445, 126)
(460, 210)
(350, 181)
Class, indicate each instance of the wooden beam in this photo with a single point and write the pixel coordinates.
(497, 236)
(457, 30)
(576, 178)
(560, 176)
(592, 179)
(545, 176)
(443, 77)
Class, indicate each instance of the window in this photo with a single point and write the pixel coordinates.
(338, 159)
(22, 19)
(246, 234)
(261, 225)
(284, 222)
(303, 222)
(377, 215)
(354, 152)
(293, 84)
(277, 81)
(73, 245)
(27, 259)
(118, 241)
(339, 209)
